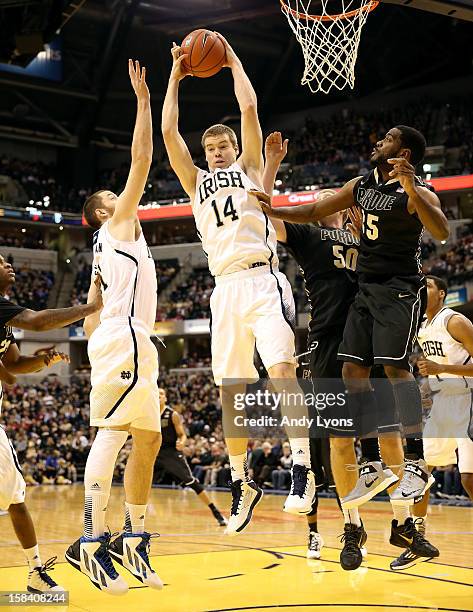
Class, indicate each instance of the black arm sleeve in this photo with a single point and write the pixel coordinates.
(8, 310)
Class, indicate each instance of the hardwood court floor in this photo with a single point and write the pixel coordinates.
(263, 569)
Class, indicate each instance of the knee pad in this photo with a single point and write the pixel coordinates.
(102, 457)
(195, 486)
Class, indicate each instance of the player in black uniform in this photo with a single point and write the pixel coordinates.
(384, 317)
(12, 484)
(171, 459)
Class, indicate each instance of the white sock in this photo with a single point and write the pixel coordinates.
(352, 516)
(94, 513)
(239, 467)
(401, 513)
(300, 451)
(135, 517)
(98, 477)
(32, 556)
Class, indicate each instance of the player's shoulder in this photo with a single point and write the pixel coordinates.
(419, 181)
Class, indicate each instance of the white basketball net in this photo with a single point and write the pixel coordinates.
(329, 42)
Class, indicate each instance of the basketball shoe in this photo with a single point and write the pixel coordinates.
(415, 481)
(132, 551)
(245, 496)
(302, 493)
(91, 557)
(316, 543)
(419, 549)
(354, 540)
(373, 478)
(39, 580)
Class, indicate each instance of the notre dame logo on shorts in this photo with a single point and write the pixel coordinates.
(126, 375)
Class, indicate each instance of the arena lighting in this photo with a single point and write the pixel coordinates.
(23, 230)
(61, 228)
(427, 167)
(68, 261)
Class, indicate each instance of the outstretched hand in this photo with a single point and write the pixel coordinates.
(275, 149)
(138, 79)
(231, 58)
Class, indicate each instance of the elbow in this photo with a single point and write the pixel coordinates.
(442, 233)
(251, 106)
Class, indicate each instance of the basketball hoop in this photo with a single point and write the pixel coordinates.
(329, 41)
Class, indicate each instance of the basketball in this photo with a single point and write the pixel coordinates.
(205, 53)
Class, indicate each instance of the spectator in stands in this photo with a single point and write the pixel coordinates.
(281, 476)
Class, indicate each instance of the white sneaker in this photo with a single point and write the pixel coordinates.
(373, 478)
(245, 496)
(39, 580)
(132, 551)
(91, 557)
(302, 493)
(316, 543)
(415, 481)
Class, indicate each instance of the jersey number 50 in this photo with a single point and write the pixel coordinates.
(344, 260)
(228, 211)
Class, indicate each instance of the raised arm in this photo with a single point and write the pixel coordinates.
(421, 200)
(251, 136)
(126, 207)
(309, 213)
(275, 151)
(178, 153)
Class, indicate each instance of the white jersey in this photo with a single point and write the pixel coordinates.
(129, 278)
(439, 346)
(235, 232)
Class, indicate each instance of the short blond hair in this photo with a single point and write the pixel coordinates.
(219, 130)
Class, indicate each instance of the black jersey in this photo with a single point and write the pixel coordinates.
(168, 431)
(8, 310)
(391, 237)
(327, 258)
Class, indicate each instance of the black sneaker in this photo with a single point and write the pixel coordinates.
(406, 560)
(401, 534)
(420, 546)
(353, 538)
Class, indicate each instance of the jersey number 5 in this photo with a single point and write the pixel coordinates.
(370, 229)
(228, 211)
(347, 260)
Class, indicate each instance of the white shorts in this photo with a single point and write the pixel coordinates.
(446, 430)
(251, 308)
(12, 484)
(124, 376)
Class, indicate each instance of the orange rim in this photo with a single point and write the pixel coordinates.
(363, 9)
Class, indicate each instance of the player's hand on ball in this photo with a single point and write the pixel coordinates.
(403, 171)
(427, 367)
(264, 201)
(138, 79)
(231, 56)
(178, 71)
(275, 149)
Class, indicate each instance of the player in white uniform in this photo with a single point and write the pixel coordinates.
(446, 339)
(252, 303)
(12, 484)
(124, 399)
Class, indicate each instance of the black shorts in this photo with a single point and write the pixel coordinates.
(172, 461)
(383, 320)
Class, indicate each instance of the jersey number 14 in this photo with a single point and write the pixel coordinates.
(228, 211)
